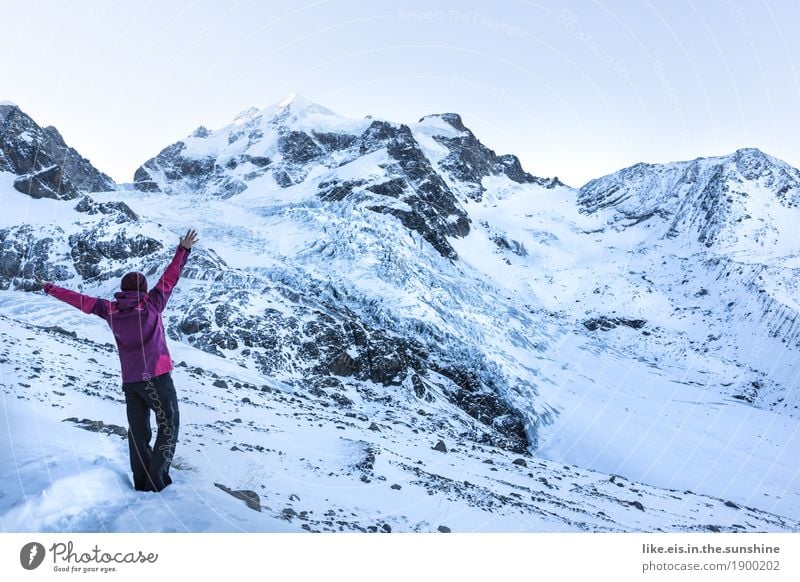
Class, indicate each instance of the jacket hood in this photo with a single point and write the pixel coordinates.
(127, 300)
(134, 281)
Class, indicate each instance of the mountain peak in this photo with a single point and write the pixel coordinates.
(750, 156)
(749, 152)
(297, 103)
(44, 164)
(246, 114)
(296, 99)
(6, 109)
(452, 119)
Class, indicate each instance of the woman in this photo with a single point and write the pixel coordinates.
(135, 319)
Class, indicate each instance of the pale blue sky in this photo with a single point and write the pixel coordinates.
(576, 89)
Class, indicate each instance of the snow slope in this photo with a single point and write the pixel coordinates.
(314, 467)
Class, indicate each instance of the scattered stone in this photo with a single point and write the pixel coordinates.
(440, 446)
(251, 498)
(387, 528)
(246, 400)
(220, 384)
(636, 504)
(396, 486)
(444, 529)
(374, 427)
(61, 330)
(520, 462)
(732, 505)
(607, 323)
(98, 426)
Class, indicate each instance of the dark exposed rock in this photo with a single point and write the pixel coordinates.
(61, 330)
(49, 182)
(606, 323)
(28, 149)
(282, 178)
(200, 132)
(258, 161)
(443, 529)
(298, 148)
(337, 191)
(420, 389)
(454, 119)
(480, 398)
(520, 462)
(194, 323)
(637, 504)
(512, 245)
(121, 210)
(251, 498)
(366, 463)
(435, 211)
(99, 426)
(332, 142)
(173, 171)
(89, 250)
(288, 513)
(440, 446)
(470, 161)
(25, 251)
(144, 182)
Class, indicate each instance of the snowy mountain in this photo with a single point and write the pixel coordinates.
(732, 203)
(45, 166)
(420, 333)
(727, 224)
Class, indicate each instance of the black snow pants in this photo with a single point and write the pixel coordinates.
(150, 465)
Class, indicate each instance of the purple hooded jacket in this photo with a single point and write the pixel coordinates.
(135, 319)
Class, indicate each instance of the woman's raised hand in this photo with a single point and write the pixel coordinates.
(190, 239)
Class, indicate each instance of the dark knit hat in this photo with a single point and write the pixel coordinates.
(134, 282)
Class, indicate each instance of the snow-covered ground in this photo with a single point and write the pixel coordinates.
(313, 467)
